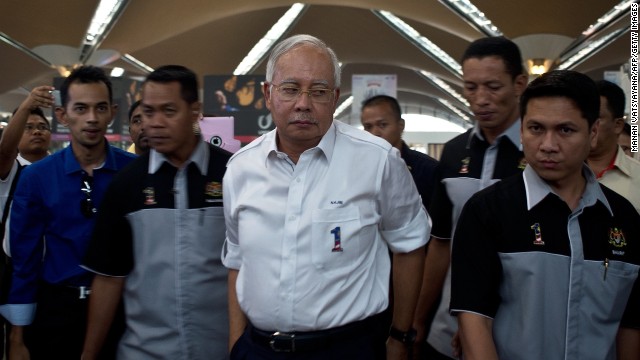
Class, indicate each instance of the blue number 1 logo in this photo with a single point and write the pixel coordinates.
(337, 245)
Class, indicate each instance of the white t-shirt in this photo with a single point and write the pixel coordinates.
(5, 187)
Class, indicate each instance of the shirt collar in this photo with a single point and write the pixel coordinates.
(71, 164)
(512, 133)
(22, 161)
(199, 156)
(622, 162)
(326, 144)
(537, 189)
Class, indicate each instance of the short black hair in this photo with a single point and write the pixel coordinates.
(86, 74)
(133, 108)
(384, 99)
(569, 84)
(37, 111)
(626, 128)
(498, 46)
(615, 97)
(187, 79)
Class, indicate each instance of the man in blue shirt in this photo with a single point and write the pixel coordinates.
(56, 199)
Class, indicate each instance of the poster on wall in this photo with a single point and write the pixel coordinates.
(219, 131)
(365, 86)
(239, 96)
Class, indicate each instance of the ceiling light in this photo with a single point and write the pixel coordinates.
(440, 84)
(420, 41)
(584, 46)
(117, 72)
(537, 66)
(430, 124)
(450, 106)
(342, 107)
(137, 63)
(611, 16)
(570, 61)
(104, 18)
(470, 13)
(264, 45)
(16, 44)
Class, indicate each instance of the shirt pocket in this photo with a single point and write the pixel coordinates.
(335, 239)
(608, 289)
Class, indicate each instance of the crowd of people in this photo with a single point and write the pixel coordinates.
(319, 240)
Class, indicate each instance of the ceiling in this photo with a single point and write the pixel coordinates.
(212, 37)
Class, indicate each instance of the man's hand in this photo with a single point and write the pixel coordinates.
(418, 345)
(39, 97)
(397, 350)
(17, 350)
(456, 345)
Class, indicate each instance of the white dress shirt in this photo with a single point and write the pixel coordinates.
(311, 240)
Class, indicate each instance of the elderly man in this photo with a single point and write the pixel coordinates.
(311, 210)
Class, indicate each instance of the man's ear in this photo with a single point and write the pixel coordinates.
(402, 123)
(61, 115)
(593, 133)
(266, 90)
(618, 125)
(520, 83)
(195, 110)
(114, 113)
(336, 98)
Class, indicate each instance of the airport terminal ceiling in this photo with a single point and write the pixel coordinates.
(213, 37)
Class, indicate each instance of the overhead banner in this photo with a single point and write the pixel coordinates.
(239, 96)
(364, 87)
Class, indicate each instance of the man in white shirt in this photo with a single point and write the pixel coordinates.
(607, 159)
(25, 139)
(311, 210)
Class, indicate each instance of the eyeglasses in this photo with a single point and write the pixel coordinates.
(29, 128)
(86, 205)
(289, 93)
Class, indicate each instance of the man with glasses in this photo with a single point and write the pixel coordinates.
(312, 209)
(25, 140)
(52, 217)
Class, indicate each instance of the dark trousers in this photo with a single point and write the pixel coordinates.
(363, 346)
(59, 326)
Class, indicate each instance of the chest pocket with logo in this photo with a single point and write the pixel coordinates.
(336, 243)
